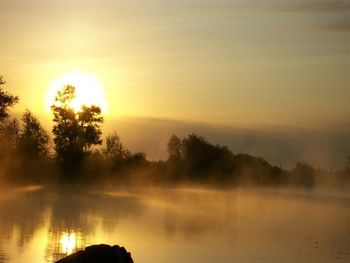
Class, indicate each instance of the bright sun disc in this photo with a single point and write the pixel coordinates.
(88, 90)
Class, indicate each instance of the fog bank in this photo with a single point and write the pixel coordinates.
(281, 146)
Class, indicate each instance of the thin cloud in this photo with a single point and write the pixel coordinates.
(304, 5)
(339, 26)
(336, 12)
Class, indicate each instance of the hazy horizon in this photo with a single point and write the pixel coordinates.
(282, 146)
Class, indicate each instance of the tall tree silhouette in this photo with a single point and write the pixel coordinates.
(10, 131)
(33, 139)
(174, 148)
(74, 131)
(114, 149)
(6, 101)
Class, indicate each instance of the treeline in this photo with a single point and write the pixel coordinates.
(193, 159)
(76, 154)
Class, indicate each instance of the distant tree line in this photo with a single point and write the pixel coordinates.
(77, 154)
(193, 158)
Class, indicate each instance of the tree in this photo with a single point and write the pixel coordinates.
(10, 132)
(303, 175)
(33, 139)
(6, 101)
(74, 131)
(8, 129)
(114, 149)
(203, 160)
(174, 148)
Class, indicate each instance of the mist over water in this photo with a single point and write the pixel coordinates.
(177, 225)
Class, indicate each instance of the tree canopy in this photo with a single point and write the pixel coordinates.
(33, 139)
(114, 148)
(174, 148)
(6, 101)
(74, 131)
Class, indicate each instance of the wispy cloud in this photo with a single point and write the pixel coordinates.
(342, 25)
(335, 13)
(302, 5)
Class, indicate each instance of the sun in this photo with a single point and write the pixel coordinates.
(88, 89)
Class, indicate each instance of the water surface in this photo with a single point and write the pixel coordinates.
(176, 225)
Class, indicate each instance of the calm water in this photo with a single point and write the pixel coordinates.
(182, 225)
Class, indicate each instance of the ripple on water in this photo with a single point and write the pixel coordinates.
(2, 257)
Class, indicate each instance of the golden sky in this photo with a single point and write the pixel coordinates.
(268, 62)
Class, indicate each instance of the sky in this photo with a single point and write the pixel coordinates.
(240, 63)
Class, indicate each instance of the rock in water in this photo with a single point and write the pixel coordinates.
(99, 254)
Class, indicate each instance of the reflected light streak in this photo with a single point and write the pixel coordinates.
(68, 242)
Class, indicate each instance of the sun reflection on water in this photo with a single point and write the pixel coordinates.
(68, 242)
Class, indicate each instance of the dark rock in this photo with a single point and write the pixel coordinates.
(99, 254)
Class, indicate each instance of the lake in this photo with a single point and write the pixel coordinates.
(176, 225)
